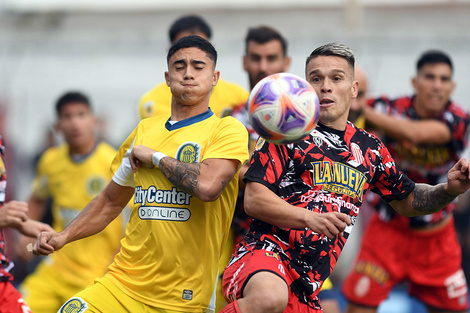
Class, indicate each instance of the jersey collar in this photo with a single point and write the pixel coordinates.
(189, 121)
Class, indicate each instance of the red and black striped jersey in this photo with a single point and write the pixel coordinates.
(424, 163)
(5, 264)
(328, 171)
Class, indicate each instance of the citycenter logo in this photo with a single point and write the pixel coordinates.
(164, 213)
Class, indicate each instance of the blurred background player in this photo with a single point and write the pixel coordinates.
(185, 196)
(356, 114)
(265, 54)
(13, 214)
(426, 134)
(71, 174)
(224, 97)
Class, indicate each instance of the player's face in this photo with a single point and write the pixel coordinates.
(332, 79)
(190, 76)
(265, 59)
(78, 125)
(433, 86)
(360, 102)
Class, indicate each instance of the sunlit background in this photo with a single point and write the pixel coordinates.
(114, 51)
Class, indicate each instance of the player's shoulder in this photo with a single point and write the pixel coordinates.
(53, 155)
(457, 110)
(361, 135)
(106, 148)
(160, 93)
(230, 121)
(232, 89)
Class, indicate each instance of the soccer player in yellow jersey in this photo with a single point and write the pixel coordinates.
(224, 97)
(182, 171)
(71, 174)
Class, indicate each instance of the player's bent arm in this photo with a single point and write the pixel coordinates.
(426, 199)
(205, 180)
(263, 204)
(418, 132)
(101, 211)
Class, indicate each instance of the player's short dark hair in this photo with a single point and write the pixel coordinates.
(433, 57)
(193, 41)
(333, 49)
(264, 34)
(70, 97)
(189, 23)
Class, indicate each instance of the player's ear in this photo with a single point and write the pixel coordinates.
(245, 63)
(414, 82)
(167, 79)
(287, 61)
(354, 89)
(216, 78)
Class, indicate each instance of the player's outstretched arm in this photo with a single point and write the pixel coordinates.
(32, 228)
(263, 204)
(101, 211)
(205, 180)
(418, 132)
(426, 199)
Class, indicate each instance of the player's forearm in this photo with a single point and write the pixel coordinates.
(101, 211)
(196, 179)
(90, 221)
(425, 199)
(261, 203)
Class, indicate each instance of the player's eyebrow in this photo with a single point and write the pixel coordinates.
(198, 62)
(183, 61)
(334, 71)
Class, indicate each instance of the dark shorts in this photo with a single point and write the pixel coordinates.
(430, 262)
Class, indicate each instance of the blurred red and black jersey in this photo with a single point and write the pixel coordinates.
(328, 171)
(425, 163)
(5, 264)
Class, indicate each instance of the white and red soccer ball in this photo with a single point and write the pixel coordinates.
(284, 108)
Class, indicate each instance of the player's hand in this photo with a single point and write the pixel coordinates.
(141, 156)
(48, 242)
(13, 214)
(458, 178)
(32, 228)
(330, 224)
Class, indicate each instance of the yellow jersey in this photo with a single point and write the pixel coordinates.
(224, 98)
(72, 184)
(169, 257)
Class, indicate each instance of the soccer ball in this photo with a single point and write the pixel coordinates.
(283, 108)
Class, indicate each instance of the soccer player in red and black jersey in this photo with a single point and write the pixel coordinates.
(305, 197)
(425, 133)
(13, 214)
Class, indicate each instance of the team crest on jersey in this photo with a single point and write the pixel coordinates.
(95, 185)
(148, 108)
(74, 305)
(188, 152)
(318, 141)
(259, 143)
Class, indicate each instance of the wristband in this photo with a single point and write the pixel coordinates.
(156, 157)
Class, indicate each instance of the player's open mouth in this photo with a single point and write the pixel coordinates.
(326, 101)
